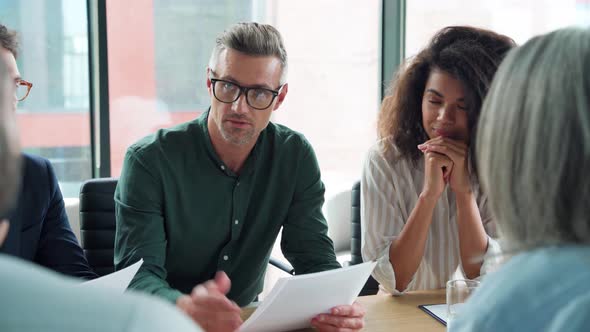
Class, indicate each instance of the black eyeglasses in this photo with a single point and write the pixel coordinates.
(228, 92)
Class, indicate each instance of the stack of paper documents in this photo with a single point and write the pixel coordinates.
(294, 301)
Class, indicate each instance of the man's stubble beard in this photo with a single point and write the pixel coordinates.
(237, 136)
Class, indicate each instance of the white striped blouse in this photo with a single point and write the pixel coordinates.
(390, 187)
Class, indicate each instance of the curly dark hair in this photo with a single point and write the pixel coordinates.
(471, 55)
(9, 40)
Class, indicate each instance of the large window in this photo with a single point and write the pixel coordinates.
(158, 54)
(334, 80)
(520, 19)
(54, 120)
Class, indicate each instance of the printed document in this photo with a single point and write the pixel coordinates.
(294, 301)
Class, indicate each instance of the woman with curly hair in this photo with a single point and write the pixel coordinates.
(423, 215)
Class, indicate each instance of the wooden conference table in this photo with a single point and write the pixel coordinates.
(395, 313)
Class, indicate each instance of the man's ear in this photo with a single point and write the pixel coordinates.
(281, 96)
(4, 226)
(209, 87)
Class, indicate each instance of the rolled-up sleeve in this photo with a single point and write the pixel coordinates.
(492, 259)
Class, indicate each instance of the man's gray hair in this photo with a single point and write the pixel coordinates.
(252, 38)
(10, 167)
(533, 144)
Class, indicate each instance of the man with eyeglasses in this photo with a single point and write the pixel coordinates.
(212, 194)
(40, 231)
(33, 298)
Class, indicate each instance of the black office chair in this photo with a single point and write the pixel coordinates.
(97, 226)
(371, 287)
(97, 223)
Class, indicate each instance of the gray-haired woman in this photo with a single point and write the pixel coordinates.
(533, 154)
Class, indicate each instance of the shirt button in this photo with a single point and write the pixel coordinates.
(222, 167)
(236, 222)
(225, 257)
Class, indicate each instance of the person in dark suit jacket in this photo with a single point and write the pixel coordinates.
(39, 227)
(33, 298)
(40, 231)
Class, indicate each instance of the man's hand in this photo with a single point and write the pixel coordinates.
(210, 308)
(343, 318)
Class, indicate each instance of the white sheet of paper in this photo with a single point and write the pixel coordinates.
(117, 280)
(294, 301)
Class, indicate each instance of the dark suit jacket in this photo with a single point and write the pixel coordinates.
(39, 227)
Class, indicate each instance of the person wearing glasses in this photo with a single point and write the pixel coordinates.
(40, 231)
(33, 298)
(212, 194)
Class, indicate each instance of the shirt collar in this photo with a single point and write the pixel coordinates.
(251, 161)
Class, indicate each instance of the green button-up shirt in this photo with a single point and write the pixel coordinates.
(182, 210)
